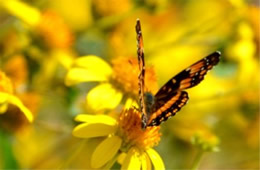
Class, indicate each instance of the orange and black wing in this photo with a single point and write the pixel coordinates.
(189, 77)
(168, 107)
(172, 90)
(141, 76)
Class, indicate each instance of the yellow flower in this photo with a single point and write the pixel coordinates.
(23, 11)
(12, 111)
(48, 24)
(16, 69)
(124, 140)
(54, 30)
(121, 78)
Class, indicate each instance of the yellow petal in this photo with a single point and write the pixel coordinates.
(156, 159)
(17, 102)
(23, 11)
(104, 96)
(3, 97)
(105, 151)
(65, 57)
(88, 68)
(3, 102)
(96, 119)
(79, 75)
(145, 162)
(132, 160)
(90, 130)
(130, 103)
(3, 108)
(121, 158)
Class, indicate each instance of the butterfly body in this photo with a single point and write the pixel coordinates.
(171, 97)
(149, 101)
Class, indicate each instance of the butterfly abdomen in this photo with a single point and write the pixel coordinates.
(149, 102)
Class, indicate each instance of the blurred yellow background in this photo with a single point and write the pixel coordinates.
(40, 40)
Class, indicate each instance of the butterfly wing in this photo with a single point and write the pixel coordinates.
(171, 105)
(141, 77)
(191, 76)
(172, 90)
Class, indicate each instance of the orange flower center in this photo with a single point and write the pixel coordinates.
(125, 77)
(133, 135)
(17, 70)
(5, 84)
(55, 32)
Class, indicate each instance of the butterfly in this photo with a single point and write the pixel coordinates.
(171, 97)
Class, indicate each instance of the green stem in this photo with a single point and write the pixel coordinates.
(197, 160)
(7, 156)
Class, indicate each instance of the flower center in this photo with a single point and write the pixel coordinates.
(133, 135)
(17, 70)
(55, 32)
(5, 84)
(125, 77)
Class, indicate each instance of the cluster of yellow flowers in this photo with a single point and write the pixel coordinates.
(69, 73)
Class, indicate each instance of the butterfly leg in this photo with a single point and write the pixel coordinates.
(144, 121)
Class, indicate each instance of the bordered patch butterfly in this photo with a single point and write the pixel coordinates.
(171, 97)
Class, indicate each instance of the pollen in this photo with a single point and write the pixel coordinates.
(125, 77)
(5, 84)
(133, 135)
